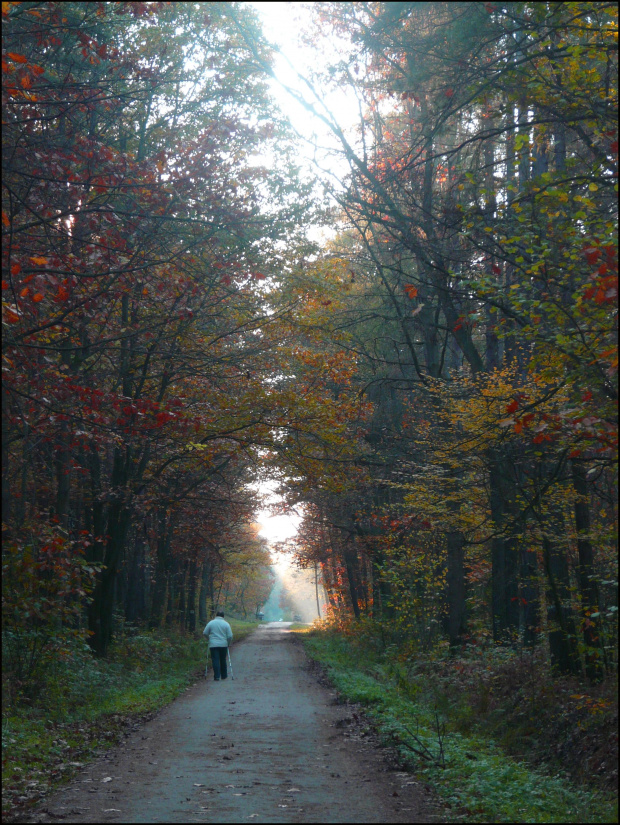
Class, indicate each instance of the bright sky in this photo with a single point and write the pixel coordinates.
(281, 26)
(276, 527)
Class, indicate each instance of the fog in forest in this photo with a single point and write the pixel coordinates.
(293, 594)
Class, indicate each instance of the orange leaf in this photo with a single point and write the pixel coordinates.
(16, 269)
(26, 81)
(37, 297)
(39, 261)
(5, 219)
(518, 426)
(17, 58)
(24, 292)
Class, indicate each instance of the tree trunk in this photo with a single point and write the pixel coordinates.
(562, 632)
(454, 619)
(101, 608)
(316, 587)
(204, 592)
(504, 557)
(190, 609)
(135, 598)
(588, 589)
(181, 578)
(164, 536)
(529, 598)
(350, 561)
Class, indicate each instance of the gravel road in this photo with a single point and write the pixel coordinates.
(272, 745)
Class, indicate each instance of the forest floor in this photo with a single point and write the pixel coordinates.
(272, 745)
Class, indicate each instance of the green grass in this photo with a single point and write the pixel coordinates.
(475, 780)
(85, 705)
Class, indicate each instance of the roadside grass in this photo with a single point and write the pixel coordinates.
(475, 779)
(84, 705)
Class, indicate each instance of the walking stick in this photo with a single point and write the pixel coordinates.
(230, 664)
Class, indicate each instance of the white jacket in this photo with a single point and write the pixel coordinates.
(218, 632)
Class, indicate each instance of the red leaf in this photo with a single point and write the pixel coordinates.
(514, 405)
(449, 92)
(592, 254)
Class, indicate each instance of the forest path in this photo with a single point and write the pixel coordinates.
(272, 745)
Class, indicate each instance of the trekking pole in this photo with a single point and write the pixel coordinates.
(230, 664)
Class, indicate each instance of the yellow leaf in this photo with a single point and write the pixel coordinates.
(39, 261)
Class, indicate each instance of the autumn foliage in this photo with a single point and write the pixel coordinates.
(435, 387)
(479, 222)
(137, 231)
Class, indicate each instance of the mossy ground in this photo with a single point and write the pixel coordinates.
(467, 736)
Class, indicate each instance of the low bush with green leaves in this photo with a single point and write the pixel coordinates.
(453, 750)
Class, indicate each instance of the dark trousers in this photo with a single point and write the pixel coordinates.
(218, 657)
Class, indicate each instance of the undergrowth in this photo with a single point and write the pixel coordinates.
(82, 705)
(456, 732)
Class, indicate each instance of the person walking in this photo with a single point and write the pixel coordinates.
(219, 634)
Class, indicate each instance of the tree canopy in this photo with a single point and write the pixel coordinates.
(435, 386)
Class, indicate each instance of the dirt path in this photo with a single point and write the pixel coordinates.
(271, 746)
